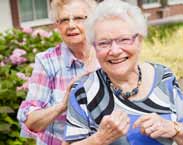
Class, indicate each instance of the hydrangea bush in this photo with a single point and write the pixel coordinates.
(17, 52)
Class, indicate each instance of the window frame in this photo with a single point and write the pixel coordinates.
(35, 22)
(151, 5)
(175, 2)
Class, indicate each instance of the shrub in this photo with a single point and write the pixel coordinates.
(17, 52)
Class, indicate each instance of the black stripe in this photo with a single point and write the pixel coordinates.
(167, 75)
(79, 92)
(81, 96)
(68, 122)
(99, 96)
(150, 103)
(175, 83)
(108, 110)
(132, 105)
(82, 101)
(110, 107)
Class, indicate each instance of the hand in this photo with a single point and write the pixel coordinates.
(62, 106)
(113, 126)
(155, 126)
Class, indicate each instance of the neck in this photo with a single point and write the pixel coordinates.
(80, 51)
(127, 81)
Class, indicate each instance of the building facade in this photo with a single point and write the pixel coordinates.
(33, 13)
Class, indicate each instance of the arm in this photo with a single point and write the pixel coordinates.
(39, 120)
(33, 112)
(155, 126)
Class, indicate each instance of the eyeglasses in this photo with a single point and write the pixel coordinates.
(76, 19)
(124, 41)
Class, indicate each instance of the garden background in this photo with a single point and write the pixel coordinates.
(18, 48)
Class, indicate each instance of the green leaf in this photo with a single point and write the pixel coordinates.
(6, 109)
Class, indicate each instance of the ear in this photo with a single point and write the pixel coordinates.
(140, 38)
(56, 25)
(139, 41)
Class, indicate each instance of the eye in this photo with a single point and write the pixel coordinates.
(78, 18)
(64, 20)
(103, 44)
(124, 40)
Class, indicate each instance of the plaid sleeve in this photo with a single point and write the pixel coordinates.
(40, 88)
(77, 125)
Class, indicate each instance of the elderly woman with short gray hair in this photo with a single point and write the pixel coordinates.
(42, 114)
(126, 102)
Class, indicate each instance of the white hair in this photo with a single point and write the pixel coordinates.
(57, 6)
(131, 14)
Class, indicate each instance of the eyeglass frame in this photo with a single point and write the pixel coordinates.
(65, 21)
(116, 40)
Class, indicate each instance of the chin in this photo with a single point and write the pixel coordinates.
(75, 40)
(116, 70)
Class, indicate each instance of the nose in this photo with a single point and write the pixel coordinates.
(71, 23)
(115, 48)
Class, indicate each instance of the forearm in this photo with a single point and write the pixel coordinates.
(40, 119)
(94, 139)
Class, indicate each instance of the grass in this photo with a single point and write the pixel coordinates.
(168, 51)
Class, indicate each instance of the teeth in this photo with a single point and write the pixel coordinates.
(118, 61)
(72, 34)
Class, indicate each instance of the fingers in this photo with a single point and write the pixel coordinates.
(154, 126)
(141, 120)
(114, 125)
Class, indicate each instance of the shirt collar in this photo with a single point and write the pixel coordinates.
(69, 58)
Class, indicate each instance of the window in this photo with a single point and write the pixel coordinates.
(175, 1)
(31, 10)
(151, 4)
(149, 1)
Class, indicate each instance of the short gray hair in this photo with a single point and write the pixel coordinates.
(117, 8)
(57, 5)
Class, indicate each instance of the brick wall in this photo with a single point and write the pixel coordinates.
(158, 12)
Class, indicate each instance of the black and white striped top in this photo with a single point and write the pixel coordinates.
(92, 98)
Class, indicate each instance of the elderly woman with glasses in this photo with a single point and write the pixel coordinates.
(125, 102)
(42, 114)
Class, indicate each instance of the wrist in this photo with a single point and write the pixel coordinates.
(99, 139)
(178, 129)
(60, 108)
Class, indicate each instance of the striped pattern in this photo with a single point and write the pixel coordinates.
(53, 71)
(92, 98)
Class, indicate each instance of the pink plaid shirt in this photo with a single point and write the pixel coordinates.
(53, 71)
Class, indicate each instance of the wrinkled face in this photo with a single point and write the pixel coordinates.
(117, 46)
(71, 22)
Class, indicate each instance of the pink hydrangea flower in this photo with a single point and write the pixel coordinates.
(19, 52)
(27, 30)
(23, 87)
(22, 76)
(17, 59)
(41, 32)
(2, 64)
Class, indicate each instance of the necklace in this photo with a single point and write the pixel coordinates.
(126, 95)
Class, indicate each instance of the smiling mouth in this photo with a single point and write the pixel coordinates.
(118, 60)
(73, 34)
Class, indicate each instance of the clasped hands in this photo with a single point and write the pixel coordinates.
(117, 124)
